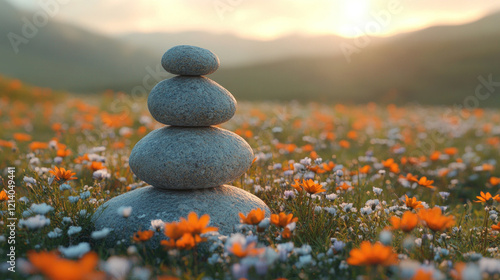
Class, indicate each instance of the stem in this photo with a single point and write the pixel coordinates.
(485, 234)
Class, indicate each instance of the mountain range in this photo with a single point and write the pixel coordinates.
(437, 65)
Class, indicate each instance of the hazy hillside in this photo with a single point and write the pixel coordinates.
(236, 51)
(438, 65)
(63, 56)
(433, 66)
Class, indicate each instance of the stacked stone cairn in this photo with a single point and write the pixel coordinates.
(189, 161)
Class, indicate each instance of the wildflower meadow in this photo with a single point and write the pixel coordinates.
(356, 192)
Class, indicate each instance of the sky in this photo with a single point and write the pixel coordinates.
(264, 19)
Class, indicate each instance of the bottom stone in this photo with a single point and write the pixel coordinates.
(222, 203)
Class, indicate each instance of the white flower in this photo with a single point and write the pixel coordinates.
(385, 237)
(471, 272)
(41, 209)
(304, 250)
(125, 211)
(35, 222)
(141, 273)
(157, 225)
(264, 223)
(101, 174)
(74, 230)
(57, 232)
(64, 187)
(29, 180)
(377, 191)
(289, 194)
(489, 266)
(305, 259)
(444, 195)
(100, 234)
(75, 251)
(338, 245)
(117, 267)
(331, 197)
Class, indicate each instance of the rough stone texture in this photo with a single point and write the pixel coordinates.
(222, 203)
(191, 101)
(190, 157)
(190, 61)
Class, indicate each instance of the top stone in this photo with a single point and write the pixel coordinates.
(190, 61)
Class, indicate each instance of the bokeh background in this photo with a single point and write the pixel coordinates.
(349, 51)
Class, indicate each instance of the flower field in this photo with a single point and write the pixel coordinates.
(356, 192)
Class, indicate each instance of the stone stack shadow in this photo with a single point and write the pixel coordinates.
(188, 162)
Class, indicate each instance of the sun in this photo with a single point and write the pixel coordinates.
(352, 17)
(355, 9)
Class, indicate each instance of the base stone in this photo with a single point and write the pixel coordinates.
(222, 203)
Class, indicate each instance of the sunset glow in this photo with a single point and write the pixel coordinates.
(264, 20)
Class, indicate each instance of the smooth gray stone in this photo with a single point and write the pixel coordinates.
(222, 203)
(175, 157)
(191, 101)
(190, 61)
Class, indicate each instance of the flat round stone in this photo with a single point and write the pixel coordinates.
(222, 203)
(190, 61)
(191, 101)
(190, 157)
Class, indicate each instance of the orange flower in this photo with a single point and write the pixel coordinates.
(406, 223)
(309, 186)
(411, 178)
(186, 242)
(57, 127)
(54, 267)
(166, 277)
(282, 220)
(344, 144)
(372, 254)
(22, 137)
(197, 226)
(387, 163)
(6, 144)
(175, 230)
(83, 158)
(394, 168)
(62, 174)
(494, 181)
(426, 183)
(451, 151)
(456, 272)
(435, 155)
(422, 274)
(316, 169)
(142, 236)
(185, 234)
(253, 218)
(63, 152)
(344, 187)
(3, 196)
(435, 220)
(286, 233)
(352, 135)
(496, 227)
(328, 167)
(250, 250)
(96, 165)
(365, 169)
(484, 197)
(488, 167)
(413, 203)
